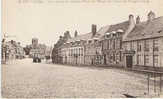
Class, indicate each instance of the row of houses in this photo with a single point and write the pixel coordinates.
(130, 44)
(11, 50)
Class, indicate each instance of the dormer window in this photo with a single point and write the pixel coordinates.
(89, 41)
(160, 31)
(120, 31)
(107, 35)
(95, 41)
(113, 32)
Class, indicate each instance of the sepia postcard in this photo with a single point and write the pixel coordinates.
(82, 49)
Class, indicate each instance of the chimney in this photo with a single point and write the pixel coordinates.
(12, 41)
(67, 34)
(76, 34)
(151, 16)
(94, 29)
(60, 37)
(137, 20)
(131, 20)
(130, 26)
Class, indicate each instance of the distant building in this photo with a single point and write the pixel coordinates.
(48, 51)
(34, 42)
(11, 50)
(72, 51)
(35, 47)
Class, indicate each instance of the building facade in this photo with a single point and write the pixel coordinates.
(93, 47)
(35, 47)
(56, 51)
(73, 53)
(131, 43)
(85, 49)
(112, 42)
(143, 46)
(11, 50)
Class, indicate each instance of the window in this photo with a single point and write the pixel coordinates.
(95, 41)
(155, 60)
(155, 45)
(131, 46)
(117, 44)
(120, 44)
(146, 60)
(81, 51)
(105, 44)
(113, 44)
(89, 41)
(108, 44)
(146, 45)
(107, 36)
(138, 46)
(78, 52)
(71, 52)
(138, 59)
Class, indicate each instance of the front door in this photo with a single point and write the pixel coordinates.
(129, 61)
(104, 59)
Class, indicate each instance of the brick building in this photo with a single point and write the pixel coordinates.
(84, 49)
(143, 45)
(93, 47)
(112, 41)
(131, 43)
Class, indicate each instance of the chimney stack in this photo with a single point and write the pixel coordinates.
(76, 34)
(137, 20)
(94, 29)
(131, 26)
(151, 16)
(131, 20)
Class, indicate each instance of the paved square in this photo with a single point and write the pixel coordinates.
(36, 80)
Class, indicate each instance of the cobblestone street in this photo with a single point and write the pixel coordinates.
(27, 79)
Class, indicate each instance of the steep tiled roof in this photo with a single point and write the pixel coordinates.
(147, 29)
(81, 37)
(123, 26)
(88, 36)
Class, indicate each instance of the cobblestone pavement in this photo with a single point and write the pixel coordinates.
(36, 80)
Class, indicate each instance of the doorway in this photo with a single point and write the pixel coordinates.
(104, 59)
(129, 61)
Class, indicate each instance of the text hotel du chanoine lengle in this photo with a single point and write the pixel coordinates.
(84, 1)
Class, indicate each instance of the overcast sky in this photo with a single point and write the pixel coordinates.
(47, 21)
